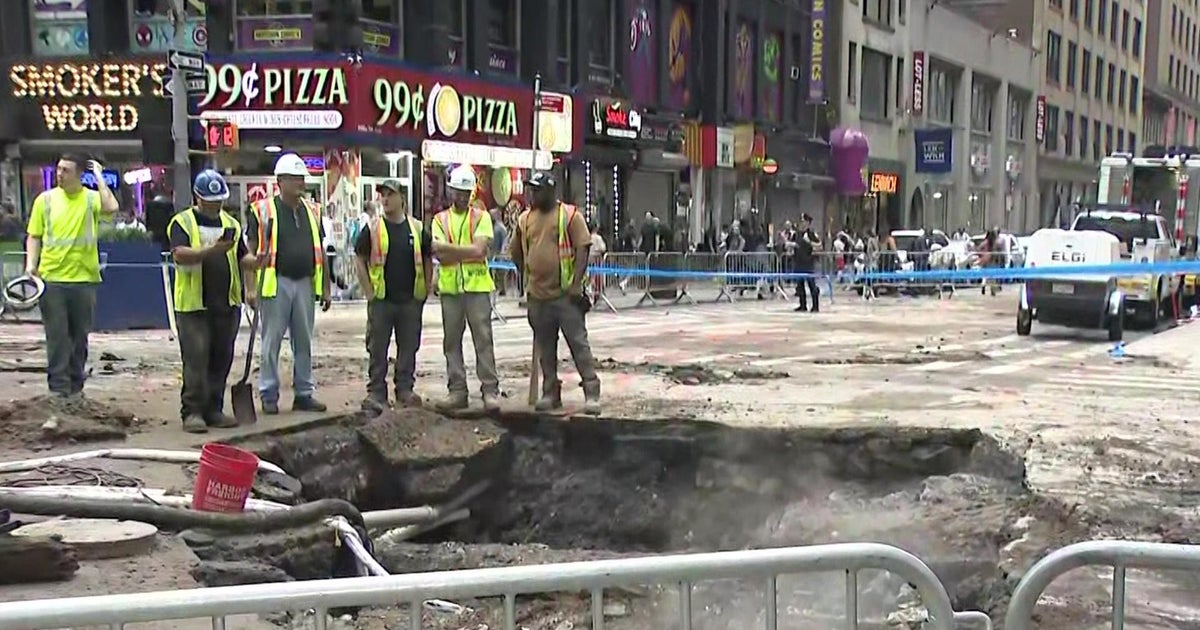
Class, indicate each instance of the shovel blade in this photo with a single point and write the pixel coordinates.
(242, 397)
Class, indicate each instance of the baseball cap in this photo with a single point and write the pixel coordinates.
(389, 185)
(539, 179)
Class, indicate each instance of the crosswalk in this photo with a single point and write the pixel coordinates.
(1124, 380)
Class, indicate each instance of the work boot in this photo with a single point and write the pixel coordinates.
(408, 399)
(271, 408)
(308, 403)
(218, 420)
(551, 398)
(491, 402)
(194, 424)
(373, 405)
(591, 399)
(456, 401)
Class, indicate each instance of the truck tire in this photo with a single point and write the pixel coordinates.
(1116, 325)
(1024, 321)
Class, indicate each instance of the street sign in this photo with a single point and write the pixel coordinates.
(184, 60)
(196, 86)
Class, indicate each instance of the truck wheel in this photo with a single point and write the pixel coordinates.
(1116, 325)
(1024, 321)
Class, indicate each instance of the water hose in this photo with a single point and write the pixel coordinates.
(142, 454)
(177, 519)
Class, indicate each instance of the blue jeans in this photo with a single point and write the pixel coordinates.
(292, 310)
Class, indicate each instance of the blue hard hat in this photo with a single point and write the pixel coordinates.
(210, 186)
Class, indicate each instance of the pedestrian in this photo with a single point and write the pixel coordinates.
(551, 246)
(214, 274)
(804, 259)
(295, 277)
(394, 259)
(499, 245)
(461, 237)
(62, 249)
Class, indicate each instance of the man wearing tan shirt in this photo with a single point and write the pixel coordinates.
(550, 246)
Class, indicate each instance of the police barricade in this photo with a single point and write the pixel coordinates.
(504, 274)
(707, 275)
(895, 267)
(595, 282)
(624, 273)
(753, 270)
(1118, 554)
(419, 591)
(666, 279)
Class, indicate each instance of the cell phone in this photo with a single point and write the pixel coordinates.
(228, 234)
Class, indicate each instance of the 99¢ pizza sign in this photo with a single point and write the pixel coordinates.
(412, 103)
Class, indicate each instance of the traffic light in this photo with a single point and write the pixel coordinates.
(337, 25)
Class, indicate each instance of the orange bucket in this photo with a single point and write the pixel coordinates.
(225, 478)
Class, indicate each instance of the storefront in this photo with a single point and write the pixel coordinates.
(55, 106)
(801, 183)
(631, 165)
(884, 201)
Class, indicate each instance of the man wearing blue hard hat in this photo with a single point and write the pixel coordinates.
(212, 264)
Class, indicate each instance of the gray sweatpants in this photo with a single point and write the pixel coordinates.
(67, 309)
(292, 310)
(385, 319)
(458, 312)
(547, 318)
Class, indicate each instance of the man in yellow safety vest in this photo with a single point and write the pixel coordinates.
(395, 268)
(551, 248)
(462, 235)
(62, 249)
(210, 260)
(294, 276)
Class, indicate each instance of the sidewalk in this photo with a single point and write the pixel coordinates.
(1177, 345)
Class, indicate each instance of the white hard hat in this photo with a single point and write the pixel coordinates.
(22, 294)
(462, 178)
(290, 164)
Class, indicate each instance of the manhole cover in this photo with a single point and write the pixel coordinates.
(95, 538)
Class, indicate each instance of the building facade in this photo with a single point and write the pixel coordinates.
(946, 104)
(1171, 83)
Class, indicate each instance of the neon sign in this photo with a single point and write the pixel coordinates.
(87, 97)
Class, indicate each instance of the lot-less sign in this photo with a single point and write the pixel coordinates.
(88, 97)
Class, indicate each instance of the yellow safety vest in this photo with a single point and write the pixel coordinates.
(264, 211)
(566, 249)
(189, 279)
(379, 252)
(80, 250)
(470, 276)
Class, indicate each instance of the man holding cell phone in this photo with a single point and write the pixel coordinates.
(63, 249)
(214, 273)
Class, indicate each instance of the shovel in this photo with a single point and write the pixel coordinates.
(241, 394)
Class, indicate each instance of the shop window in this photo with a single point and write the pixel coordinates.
(876, 78)
(150, 28)
(1017, 106)
(59, 29)
(601, 53)
(273, 24)
(942, 86)
(982, 106)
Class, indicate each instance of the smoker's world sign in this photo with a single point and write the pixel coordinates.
(87, 97)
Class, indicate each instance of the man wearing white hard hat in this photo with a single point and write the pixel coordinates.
(295, 276)
(461, 237)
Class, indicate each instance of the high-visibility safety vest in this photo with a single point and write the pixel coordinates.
(189, 279)
(379, 252)
(469, 276)
(264, 211)
(66, 248)
(566, 249)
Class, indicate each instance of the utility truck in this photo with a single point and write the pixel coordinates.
(1092, 300)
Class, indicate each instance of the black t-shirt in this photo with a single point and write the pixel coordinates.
(399, 269)
(804, 248)
(294, 259)
(214, 271)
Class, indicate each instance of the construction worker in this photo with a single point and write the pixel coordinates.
(210, 259)
(394, 259)
(551, 246)
(462, 235)
(63, 250)
(295, 276)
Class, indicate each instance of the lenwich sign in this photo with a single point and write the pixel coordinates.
(84, 97)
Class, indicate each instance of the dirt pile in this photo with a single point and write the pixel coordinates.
(47, 420)
(692, 373)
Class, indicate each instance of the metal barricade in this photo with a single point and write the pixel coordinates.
(708, 274)
(666, 279)
(624, 273)
(753, 270)
(414, 589)
(1120, 555)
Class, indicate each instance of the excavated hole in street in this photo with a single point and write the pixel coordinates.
(579, 489)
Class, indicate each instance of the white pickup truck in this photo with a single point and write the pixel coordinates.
(1077, 300)
(1145, 238)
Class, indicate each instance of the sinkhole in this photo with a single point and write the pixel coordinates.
(578, 489)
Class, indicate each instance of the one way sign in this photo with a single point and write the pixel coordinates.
(187, 61)
(196, 86)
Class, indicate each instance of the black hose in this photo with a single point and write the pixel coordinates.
(177, 519)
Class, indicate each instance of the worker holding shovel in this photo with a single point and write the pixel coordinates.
(211, 262)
